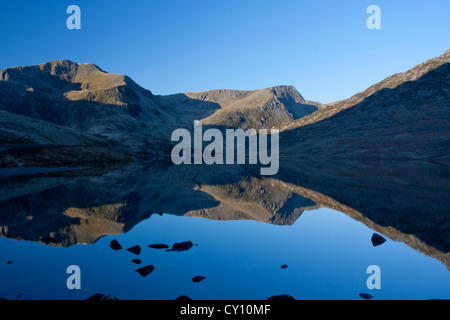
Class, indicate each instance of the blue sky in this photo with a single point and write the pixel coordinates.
(323, 48)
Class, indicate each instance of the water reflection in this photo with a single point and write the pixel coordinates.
(403, 201)
(53, 211)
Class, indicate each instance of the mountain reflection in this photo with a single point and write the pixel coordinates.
(403, 201)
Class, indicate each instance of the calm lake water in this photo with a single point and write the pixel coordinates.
(318, 220)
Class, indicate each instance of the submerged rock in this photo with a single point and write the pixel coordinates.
(158, 246)
(145, 271)
(281, 297)
(366, 296)
(181, 246)
(115, 245)
(377, 240)
(100, 296)
(136, 250)
(137, 261)
(284, 266)
(9, 262)
(198, 278)
(183, 298)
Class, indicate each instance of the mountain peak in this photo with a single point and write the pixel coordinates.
(63, 69)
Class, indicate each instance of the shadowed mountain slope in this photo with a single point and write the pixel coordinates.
(389, 83)
(411, 120)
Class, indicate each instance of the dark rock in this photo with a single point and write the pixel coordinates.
(99, 296)
(284, 266)
(137, 261)
(377, 240)
(281, 297)
(145, 271)
(115, 245)
(159, 246)
(366, 296)
(9, 262)
(181, 246)
(198, 278)
(183, 298)
(136, 250)
(160, 213)
(48, 240)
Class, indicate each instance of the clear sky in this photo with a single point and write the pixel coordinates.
(323, 48)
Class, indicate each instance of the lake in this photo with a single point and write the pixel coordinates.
(314, 218)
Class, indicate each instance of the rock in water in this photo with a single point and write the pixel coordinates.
(181, 246)
(145, 271)
(158, 246)
(99, 296)
(198, 278)
(137, 261)
(183, 298)
(365, 296)
(281, 297)
(136, 250)
(115, 245)
(284, 266)
(377, 240)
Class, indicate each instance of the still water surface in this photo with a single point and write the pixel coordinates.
(244, 229)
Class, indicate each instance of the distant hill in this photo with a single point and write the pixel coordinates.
(257, 109)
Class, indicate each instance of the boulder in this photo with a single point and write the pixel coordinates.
(145, 271)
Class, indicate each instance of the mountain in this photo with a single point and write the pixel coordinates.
(63, 103)
(406, 116)
(257, 109)
(84, 98)
(328, 110)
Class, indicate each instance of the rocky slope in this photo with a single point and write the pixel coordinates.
(62, 103)
(257, 109)
(406, 116)
(85, 99)
(17, 130)
(330, 109)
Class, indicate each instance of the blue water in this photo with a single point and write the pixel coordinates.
(326, 251)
